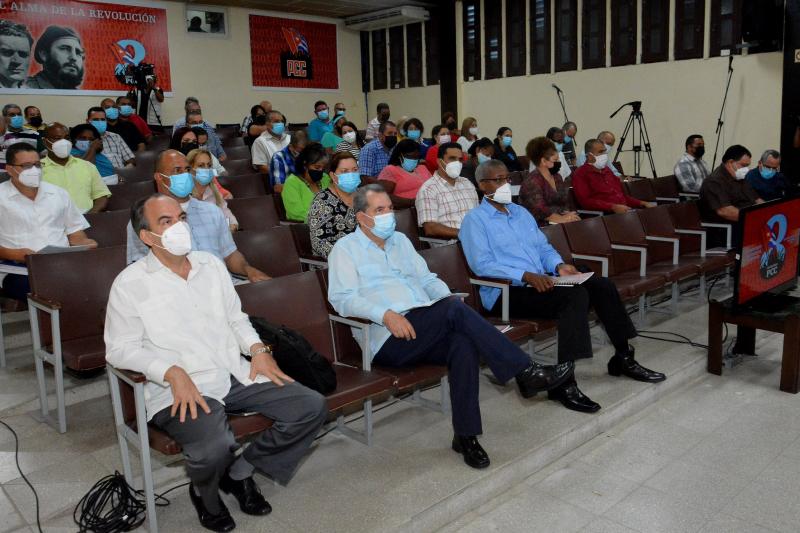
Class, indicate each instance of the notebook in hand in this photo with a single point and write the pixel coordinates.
(568, 281)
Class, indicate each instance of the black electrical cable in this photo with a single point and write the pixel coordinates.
(21, 473)
(109, 506)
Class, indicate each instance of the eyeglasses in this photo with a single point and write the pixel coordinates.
(499, 180)
(26, 166)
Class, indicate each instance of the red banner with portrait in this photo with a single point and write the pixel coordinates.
(79, 47)
(293, 54)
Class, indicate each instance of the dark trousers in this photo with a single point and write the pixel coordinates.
(16, 287)
(451, 333)
(208, 443)
(570, 306)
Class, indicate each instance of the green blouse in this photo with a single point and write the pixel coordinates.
(297, 196)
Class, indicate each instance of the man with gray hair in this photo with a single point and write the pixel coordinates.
(609, 140)
(274, 139)
(194, 119)
(767, 179)
(502, 240)
(375, 274)
(15, 53)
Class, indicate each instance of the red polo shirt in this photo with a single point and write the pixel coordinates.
(599, 190)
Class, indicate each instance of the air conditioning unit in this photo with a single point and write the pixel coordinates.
(394, 16)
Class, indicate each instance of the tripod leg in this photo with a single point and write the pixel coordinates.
(647, 147)
(622, 137)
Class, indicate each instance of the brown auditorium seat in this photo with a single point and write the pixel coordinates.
(69, 293)
(146, 160)
(109, 227)
(572, 200)
(238, 152)
(255, 213)
(302, 241)
(124, 195)
(667, 189)
(406, 220)
(245, 185)
(230, 142)
(271, 250)
(134, 174)
(159, 142)
(686, 216)
(641, 189)
(277, 201)
(238, 167)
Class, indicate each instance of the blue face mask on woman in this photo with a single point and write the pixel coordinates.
(180, 185)
(409, 164)
(507, 141)
(384, 225)
(413, 134)
(349, 181)
(483, 158)
(560, 147)
(204, 176)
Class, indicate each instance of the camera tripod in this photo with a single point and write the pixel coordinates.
(636, 120)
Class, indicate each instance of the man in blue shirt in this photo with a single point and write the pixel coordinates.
(767, 179)
(322, 124)
(375, 154)
(502, 240)
(375, 274)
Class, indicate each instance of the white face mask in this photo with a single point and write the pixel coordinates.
(741, 173)
(350, 137)
(600, 161)
(473, 131)
(176, 239)
(503, 194)
(444, 139)
(62, 148)
(31, 177)
(453, 169)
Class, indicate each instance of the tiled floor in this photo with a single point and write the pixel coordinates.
(696, 453)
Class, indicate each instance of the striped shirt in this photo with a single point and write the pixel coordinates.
(345, 146)
(116, 150)
(691, 172)
(280, 167)
(438, 201)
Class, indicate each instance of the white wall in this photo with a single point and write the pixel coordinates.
(419, 102)
(217, 71)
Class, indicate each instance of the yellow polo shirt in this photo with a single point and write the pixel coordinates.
(79, 178)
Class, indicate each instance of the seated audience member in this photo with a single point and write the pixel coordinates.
(78, 177)
(282, 164)
(375, 154)
(339, 109)
(331, 214)
(481, 151)
(250, 128)
(15, 132)
(444, 199)
(374, 125)
(597, 188)
(351, 140)
(414, 131)
(35, 214)
(87, 145)
(501, 239)
(333, 138)
(128, 114)
(449, 121)
(441, 135)
(609, 140)
(403, 176)
(767, 180)
(321, 124)
(33, 119)
(176, 318)
(129, 133)
(114, 146)
(184, 140)
(726, 190)
(206, 186)
(194, 118)
(401, 128)
(375, 274)
(308, 179)
(503, 151)
(202, 143)
(543, 191)
(469, 133)
(190, 104)
(274, 139)
(570, 129)
(691, 170)
(556, 135)
(209, 229)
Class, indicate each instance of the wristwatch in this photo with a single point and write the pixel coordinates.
(265, 349)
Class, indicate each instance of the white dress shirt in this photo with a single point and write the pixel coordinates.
(265, 146)
(44, 221)
(156, 319)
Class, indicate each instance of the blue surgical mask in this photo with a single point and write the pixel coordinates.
(609, 148)
(767, 173)
(100, 126)
(349, 181)
(560, 147)
(567, 139)
(413, 134)
(483, 158)
(384, 225)
(323, 115)
(181, 185)
(112, 113)
(204, 176)
(507, 141)
(409, 164)
(278, 128)
(17, 121)
(82, 145)
(125, 110)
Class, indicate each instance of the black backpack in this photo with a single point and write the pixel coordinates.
(296, 357)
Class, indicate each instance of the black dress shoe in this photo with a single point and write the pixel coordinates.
(247, 492)
(538, 378)
(221, 521)
(474, 454)
(571, 397)
(623, 364)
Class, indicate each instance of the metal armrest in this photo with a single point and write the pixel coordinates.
(496, 283)
(589, 212)
(314, 261)
(676, 245)
(701, 233)
(600, 259)
(363, 326)
(438, 242)
(689, 195)
(128, 376)
(642, 255)
(43, 304)
(727, 227)
(670, 199)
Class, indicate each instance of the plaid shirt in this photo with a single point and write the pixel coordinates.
(438, 201)
(374, 158)
(691, 172)
(116, 150)
(210, 232)
(280, 166)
